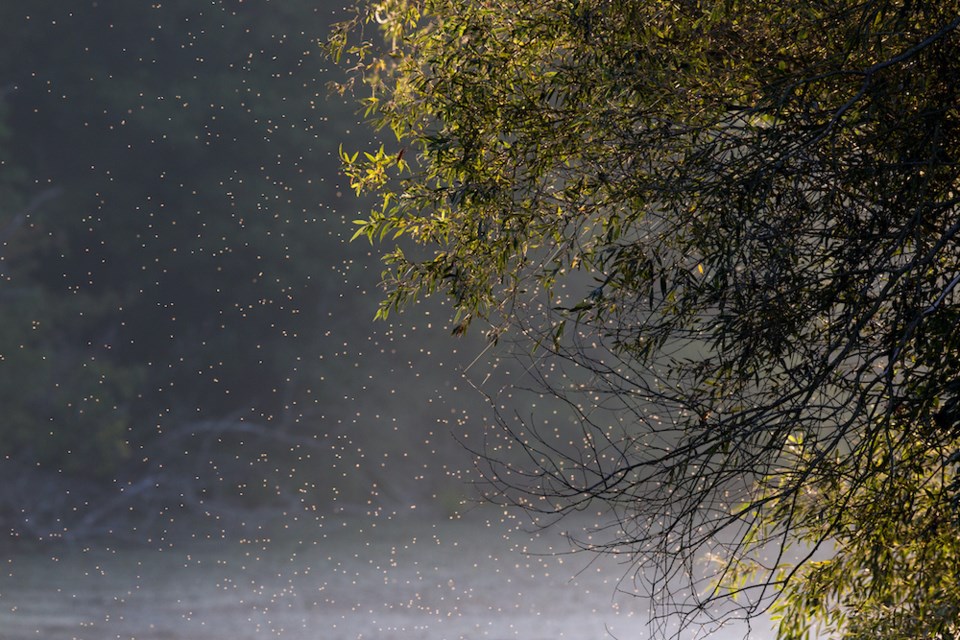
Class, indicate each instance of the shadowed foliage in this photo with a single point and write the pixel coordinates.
(725, 237)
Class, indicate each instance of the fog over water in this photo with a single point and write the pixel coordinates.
(205, 434)
(346, 578)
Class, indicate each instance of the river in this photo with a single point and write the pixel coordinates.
(394, 577)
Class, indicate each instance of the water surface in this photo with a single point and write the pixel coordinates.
(399, 577)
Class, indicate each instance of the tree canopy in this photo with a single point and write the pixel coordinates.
(727, 236)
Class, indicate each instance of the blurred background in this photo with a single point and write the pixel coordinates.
(203, 432)
(183, 327)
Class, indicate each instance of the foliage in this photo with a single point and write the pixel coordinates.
(896, 544)
(736, 223)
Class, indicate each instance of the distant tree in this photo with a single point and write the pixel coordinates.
(178, 262)
(165, 262)
(54, 401)
(728, 234)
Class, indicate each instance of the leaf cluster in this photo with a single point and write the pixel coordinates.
(736, 224)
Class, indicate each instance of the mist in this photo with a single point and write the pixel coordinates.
(206, 434)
